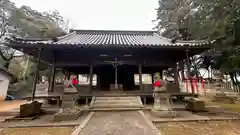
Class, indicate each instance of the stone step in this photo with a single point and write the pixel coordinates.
(117, 101)
(3, 118)
(116, 106)
(116, 98)
(68, 104)
(68, 97)
(116, 109)
(108, 104)
(112, 103)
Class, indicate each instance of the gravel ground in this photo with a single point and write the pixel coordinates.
(37, 131)
(200, 128)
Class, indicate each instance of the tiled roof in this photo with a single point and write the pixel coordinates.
(112, 38)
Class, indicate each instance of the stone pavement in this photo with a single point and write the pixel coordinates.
(118, 123)
(7, 108)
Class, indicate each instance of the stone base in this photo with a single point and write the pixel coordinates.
(227, 100)
(196, 105)
(163, 113)
(67, 114)
(30, 109)
(224, 98)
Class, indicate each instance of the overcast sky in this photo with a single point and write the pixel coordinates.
(101, 14)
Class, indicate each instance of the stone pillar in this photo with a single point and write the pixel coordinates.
(91, 78)
(140, 76)
(162, 106)
(36, 74)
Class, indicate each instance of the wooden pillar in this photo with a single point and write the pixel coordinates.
(181, 66)
(116, 77)
(175, 71)
(91, 78)
(53, 73)
(188, 71)
(36, 74)
(161, 73)
(140, 76)
(98, 81)
(68, 75)
(152, 74)
(49, 78)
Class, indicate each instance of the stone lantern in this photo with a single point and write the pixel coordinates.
(162, 106)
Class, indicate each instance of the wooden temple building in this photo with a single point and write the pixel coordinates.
(114, 56)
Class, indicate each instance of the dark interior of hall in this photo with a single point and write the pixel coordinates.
(106, 75)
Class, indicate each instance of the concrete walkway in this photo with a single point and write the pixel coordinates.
(10, 105)
(118, 123)
(6, 107)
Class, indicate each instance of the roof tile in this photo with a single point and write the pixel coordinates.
(103, 37)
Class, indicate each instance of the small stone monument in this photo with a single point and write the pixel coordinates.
(162, 106)
(67, 114)
(69, 110)
(30, 109)
(195, 105)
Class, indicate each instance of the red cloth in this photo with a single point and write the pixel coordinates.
(157, 83)
(74, 81)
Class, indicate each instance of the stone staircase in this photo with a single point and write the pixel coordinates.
(116, 103)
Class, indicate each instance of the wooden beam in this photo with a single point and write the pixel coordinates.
(147, 63)
(36, 75)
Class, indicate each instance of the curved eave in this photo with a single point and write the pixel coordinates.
(48, 44)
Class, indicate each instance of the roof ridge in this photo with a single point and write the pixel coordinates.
(191, 41)
(30, 39)
(168, 39)
(114, 31)
(66, 36)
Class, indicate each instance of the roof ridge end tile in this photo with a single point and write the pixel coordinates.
(64, 37)
(156, 34)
